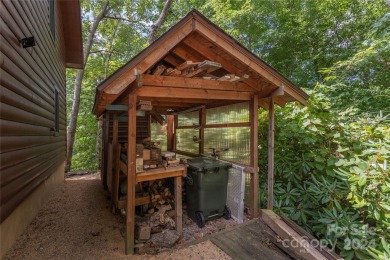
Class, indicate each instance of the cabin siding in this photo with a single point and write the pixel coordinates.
(30, 153)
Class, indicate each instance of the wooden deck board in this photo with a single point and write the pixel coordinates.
(244, 241)
(247, 242)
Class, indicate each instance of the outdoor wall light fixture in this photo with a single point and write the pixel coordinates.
(27, 42)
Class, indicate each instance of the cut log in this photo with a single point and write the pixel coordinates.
(142, 232)
(186, 65)
(159, 70)
(227, 77)
(203, 67)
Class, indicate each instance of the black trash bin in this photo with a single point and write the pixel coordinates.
(206, 186)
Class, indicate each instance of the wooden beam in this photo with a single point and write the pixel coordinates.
(187, 64)
(271, 133)
(291, 239)
(133, 87)
(150, 56)
(178, 206)
(226, 64)
(254, 191)
(277, 92)
(131, 176)
(201, 94)
(185, 54)
(248, 59)
(173, 60)
(181, 82)
(175, 125)
(156, 116)
(170, 137)
(115, 156)
(105, 147)
(202, 123)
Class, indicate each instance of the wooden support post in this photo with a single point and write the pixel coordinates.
(115, 156)
(178, 207)
(254, 185)
(176, 122)
(271, 131)
(202, 123)
(170, 119)
(106, 132)
(131, 155)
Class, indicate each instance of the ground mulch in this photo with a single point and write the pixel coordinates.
(76, 223)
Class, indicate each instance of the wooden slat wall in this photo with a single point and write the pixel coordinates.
(143, 129)
(29, 151)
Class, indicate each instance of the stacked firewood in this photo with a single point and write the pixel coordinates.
(159, 217)
(159, 195)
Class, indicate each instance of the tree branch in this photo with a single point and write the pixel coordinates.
(119, 18)
(157, 24)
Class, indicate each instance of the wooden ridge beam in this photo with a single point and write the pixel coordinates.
(202, 94)
(188, 83)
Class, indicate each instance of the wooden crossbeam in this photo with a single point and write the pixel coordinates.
(201, 94)
(188, 83)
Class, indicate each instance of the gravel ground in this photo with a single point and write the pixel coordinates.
(76, 223)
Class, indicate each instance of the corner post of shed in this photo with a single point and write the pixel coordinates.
(170, 131)
(131, 155)
(254, 184)
(115, 158)
(271, 134)
(106, 132)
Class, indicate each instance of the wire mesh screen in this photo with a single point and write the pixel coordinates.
(235, 192)
(235, 139)
(188, 119)
(236, 113)
(184, 140)
(159, 134)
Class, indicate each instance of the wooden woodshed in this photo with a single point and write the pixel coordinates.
(194, 67)
(39, 40)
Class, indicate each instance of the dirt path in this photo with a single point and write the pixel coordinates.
(75, 223)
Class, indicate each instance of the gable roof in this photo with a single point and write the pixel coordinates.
(195, 38)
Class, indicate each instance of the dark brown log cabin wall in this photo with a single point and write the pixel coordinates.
(29, 151)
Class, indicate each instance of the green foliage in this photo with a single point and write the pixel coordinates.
(364, 77)
(331, 174)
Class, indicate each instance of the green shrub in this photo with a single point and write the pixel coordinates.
(331, 175)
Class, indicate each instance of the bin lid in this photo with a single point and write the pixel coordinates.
(205, 163)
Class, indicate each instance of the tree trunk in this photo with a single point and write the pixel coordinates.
(160, 20)
(77, 88)
(100, 122)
